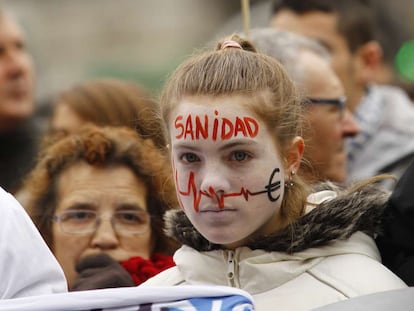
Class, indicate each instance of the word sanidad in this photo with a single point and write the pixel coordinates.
(202, 127)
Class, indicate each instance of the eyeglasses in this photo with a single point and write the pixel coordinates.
(340, 102)
(86, 221)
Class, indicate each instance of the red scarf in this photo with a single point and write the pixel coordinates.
(142, 269)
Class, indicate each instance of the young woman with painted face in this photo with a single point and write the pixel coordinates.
(247, 219)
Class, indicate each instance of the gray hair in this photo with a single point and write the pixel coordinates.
(286, 47)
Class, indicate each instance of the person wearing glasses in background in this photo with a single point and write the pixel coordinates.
(385, 114)
(98, 197)
(328, 121)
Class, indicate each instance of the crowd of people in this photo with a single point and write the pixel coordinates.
(275, 163)
(384, 113)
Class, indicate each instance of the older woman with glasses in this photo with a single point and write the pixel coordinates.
(98, 198)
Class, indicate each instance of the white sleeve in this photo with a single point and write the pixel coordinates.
(27, 266)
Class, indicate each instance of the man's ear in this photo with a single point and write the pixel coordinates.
(294, 154)
(368, 60)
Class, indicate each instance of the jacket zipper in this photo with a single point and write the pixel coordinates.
(230, 268)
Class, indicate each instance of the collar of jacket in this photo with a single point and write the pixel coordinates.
(335, 219)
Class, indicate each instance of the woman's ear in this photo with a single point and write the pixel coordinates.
(294, 154)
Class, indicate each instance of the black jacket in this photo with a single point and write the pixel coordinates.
(18, 152)
(396, 244)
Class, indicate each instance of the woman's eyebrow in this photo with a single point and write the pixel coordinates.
(184, 145)
(130, 206)
(76, 205)
(238, 142)
(233, 143)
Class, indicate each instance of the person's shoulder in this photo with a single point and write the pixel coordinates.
(9, 205)
(169, 277)
(356, 274)
(396, 102)
(13, 215)
(393, 112)
(385, 90)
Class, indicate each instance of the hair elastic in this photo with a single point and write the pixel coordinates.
(230, 44)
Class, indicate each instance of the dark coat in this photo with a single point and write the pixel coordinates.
(396, 244)
(18, 152)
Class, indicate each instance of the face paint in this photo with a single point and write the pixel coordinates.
(229, 185)
(219, 197)
(196, 127)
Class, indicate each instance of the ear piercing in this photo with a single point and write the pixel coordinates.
(290, 183)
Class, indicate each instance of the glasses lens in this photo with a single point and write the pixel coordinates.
(131, 222)
(77, 221)
(84, 221)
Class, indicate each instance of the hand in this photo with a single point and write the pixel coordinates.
(100, 271)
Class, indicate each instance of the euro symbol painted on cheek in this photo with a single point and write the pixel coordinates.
(273, 186)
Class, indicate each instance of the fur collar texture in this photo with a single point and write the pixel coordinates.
(336, 219)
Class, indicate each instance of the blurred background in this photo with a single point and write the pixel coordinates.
(140, 40)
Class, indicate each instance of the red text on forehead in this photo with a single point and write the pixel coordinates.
(197, 127)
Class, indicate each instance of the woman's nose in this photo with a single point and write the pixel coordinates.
(105, 236)
(214, 181)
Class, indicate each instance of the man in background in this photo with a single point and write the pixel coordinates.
(385, 114)
(18, 134)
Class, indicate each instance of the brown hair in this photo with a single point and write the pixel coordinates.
(112, 102)
(243, 71)
(356, 18)
(103, 146)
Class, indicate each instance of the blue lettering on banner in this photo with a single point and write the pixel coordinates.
(229, 303)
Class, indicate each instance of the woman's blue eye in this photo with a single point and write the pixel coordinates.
(239, 155)
(190, 157)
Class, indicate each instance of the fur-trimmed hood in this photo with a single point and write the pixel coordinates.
(347, 212)
(324, 253)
